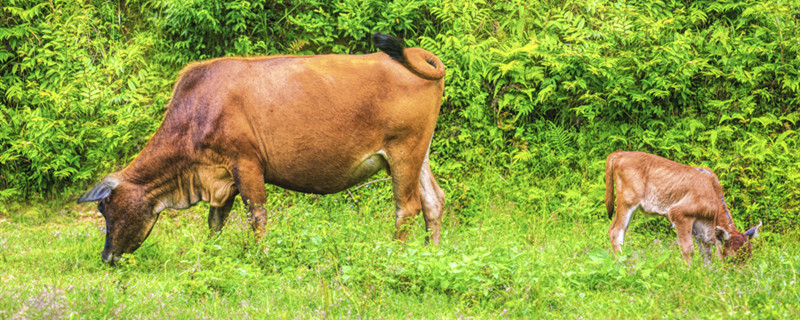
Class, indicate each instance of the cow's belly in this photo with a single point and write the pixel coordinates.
(653, 205)
(325, 175)
(655, 209)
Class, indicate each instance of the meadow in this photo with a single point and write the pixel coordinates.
(537, 93)
(512, 247)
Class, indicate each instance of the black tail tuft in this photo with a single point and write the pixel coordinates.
(389, 45)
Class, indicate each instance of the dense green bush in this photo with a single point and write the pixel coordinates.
(79, 94)
(196, 29)
(538, 88)
(710, 83)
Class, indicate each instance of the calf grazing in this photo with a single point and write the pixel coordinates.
(691, 198)
(316, 124)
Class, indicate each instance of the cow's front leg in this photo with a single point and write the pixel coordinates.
(704, 233)
(218, 215)
(683, 226)
(706, 249)
(249, 179)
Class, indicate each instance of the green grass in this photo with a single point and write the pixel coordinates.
(511, 246)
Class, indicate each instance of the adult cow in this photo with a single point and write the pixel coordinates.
(691, 198)
(315, 124)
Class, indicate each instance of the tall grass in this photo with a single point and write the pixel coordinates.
(507, 249)
(538, 92)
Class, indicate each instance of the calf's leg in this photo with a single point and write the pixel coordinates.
(616, 232)
(683, 226)
(704, 233)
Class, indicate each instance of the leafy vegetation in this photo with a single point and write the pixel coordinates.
(537, 94)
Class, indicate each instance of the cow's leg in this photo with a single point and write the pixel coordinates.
(432, 202)
(705, 250)
(249, 179)
(616, 232)
(218, 215)
(683, 226)
(407, 205)
(704, 234)
(406, 189)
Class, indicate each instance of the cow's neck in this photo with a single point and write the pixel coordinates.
(181, 192)
(180, 185)
(164, 173)
(206, 182)
(724, 219)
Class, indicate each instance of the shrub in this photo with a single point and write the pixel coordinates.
(543, 87)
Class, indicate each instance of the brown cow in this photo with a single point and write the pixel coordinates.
(315, 124)
(691, 198)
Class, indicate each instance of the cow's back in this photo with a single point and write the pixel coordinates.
(308, 120)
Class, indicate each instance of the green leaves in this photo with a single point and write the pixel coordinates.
(64, 75)
(542, 88)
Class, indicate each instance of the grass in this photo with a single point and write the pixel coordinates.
(512, 246)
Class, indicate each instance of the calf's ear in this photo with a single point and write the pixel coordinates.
(100, 191)
(753, 232)
(721, 234)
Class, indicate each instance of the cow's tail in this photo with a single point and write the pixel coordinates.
(421, 62)
(610, 185)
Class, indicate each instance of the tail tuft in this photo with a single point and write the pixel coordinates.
(610, 186)
(421, 62)
(389, 45)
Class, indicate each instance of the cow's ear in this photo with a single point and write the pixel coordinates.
(100, 191)
(722, 235)
(753, 232)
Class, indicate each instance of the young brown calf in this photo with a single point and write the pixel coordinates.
(691, 198)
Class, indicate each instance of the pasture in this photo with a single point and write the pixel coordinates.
(537, 94)
(512, 247)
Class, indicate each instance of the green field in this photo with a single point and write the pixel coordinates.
(511, 247)
(537, 94)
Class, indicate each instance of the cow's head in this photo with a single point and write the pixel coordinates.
(736, 245)
(129, 218)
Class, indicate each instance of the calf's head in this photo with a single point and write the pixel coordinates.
(736, 245)
(129, 218)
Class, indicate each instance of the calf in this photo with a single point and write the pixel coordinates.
(316, 124)
(691, 198)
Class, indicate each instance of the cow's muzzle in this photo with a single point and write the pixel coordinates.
(109, 257)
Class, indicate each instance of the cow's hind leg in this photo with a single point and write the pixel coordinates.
(432, 202)
(407, 206)
(406, 190)
(616, 232)
(218, 215)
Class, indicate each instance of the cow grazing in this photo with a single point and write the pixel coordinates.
(691, 198)
(315, 124)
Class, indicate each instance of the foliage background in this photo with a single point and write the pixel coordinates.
(538, 88)
(537, 94)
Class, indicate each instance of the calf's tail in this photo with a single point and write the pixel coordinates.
(610, 186)
(421, 62)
